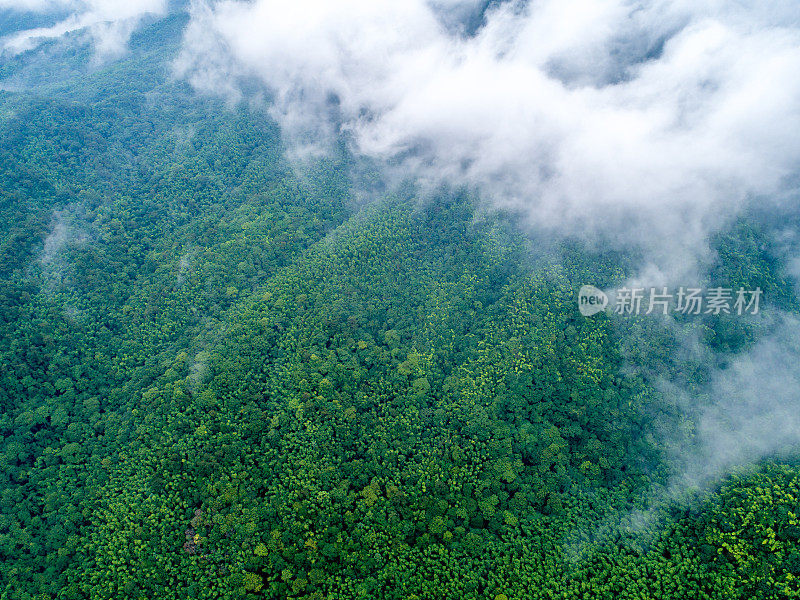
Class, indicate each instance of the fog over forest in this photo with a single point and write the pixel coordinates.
(427, 299)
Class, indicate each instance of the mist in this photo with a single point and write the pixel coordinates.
(644, 127)
(756, 408)
(105, 24)
(630, 124)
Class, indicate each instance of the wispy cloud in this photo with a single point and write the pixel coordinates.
(109, 23)
(756, 407)
(639, 123)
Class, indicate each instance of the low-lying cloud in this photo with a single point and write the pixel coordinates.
(643, 125)
(646, 124)
(108, 23)
(636, 125)
(756, 410)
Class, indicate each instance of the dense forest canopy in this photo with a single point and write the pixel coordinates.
(234, 366)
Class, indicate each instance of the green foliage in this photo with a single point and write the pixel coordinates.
(222, 379)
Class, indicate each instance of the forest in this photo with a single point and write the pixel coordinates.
(226, 376)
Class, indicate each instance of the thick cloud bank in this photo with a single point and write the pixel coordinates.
(644, 123)
(108, 22)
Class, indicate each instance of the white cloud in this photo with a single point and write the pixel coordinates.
(108, 22)
(756, 409)
(637, 122)
(646, 125)
(35, 5)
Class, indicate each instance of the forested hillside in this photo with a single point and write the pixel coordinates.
(227, 374)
